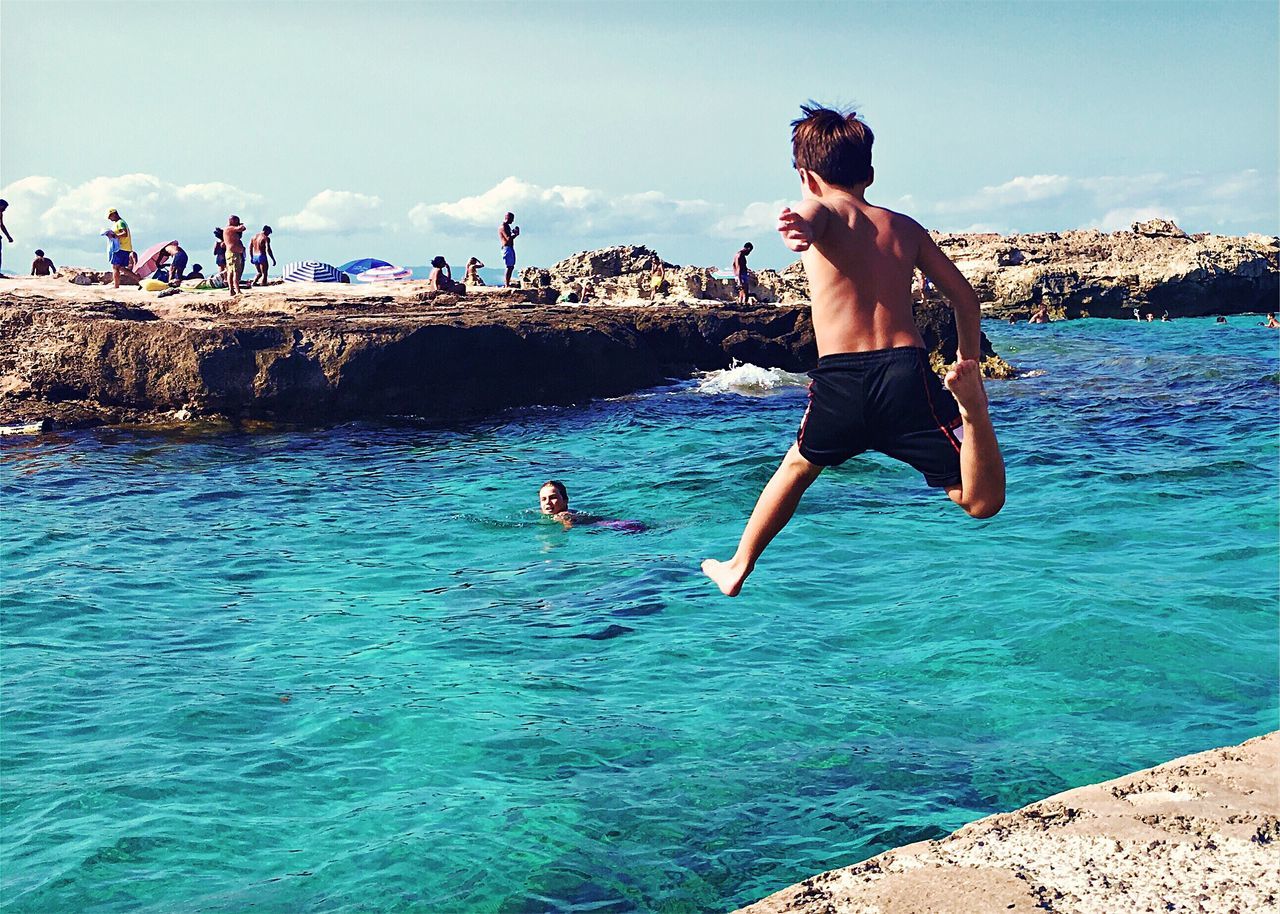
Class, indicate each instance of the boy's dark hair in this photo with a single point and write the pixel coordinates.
(217, 233)
(834, 146)
(438, 262)
(558, 486)
(39, 253)
(266, 230)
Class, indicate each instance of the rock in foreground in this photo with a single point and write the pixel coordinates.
(1198, 834)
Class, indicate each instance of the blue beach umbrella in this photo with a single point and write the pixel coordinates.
(311, 271)
(363, 264)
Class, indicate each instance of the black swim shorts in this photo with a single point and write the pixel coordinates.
(886, 400)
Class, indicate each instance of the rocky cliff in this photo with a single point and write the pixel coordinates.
(312, 353)
(1155, 267)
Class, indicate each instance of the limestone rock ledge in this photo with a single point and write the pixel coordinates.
(1198, 834)
(311, 353)
(1154, 266)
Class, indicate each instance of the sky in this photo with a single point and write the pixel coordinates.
(405, 130)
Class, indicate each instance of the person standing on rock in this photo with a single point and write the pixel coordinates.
(259, 251)
(873, 387)
(4, 205)
(123, 245)
(742, 274)
(233, 235)
(507, 234)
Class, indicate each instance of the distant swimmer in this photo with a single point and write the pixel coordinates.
(259, 251)
(507, 234)
(1040, 315)
(873, 387)
(42, 265)
(741, 273)
(1272, 323)
(1220, 320)
(553, 501)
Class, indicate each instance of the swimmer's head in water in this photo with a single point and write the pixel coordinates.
(553, 497)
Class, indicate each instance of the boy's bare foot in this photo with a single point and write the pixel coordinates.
(964, 380)
(727, 575)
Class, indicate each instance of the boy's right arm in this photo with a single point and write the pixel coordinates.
(803, 226)
(938, 267)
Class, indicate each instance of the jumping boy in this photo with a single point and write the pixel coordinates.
(872, 388)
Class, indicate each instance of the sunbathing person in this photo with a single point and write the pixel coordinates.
(441, 278)
(472, 276)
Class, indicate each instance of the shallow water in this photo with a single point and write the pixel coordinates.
(352, 670)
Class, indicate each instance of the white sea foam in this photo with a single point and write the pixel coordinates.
(748, 379)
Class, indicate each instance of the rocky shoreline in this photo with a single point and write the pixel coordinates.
(76, 355)
(1197, 834)
(1154, 267)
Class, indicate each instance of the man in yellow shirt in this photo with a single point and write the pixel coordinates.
(122, 250)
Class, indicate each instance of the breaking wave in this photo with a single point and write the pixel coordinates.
(750, 380)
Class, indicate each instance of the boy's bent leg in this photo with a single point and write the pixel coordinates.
(982, 484)
(772, 511)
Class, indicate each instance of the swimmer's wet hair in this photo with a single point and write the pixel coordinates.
(558, 486)
(833, 145)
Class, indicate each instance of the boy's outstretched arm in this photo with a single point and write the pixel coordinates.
(938, 267)
(803, 226)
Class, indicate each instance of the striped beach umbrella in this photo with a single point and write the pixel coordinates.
(385, 274)
(311, 271)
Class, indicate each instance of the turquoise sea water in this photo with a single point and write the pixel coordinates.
(351, 670)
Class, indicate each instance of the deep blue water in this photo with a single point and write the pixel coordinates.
(351, 670)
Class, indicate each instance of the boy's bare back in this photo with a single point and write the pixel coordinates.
(860, 263)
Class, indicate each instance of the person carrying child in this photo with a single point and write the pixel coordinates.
(873, 388)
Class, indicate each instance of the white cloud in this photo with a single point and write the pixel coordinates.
(755, 219)
(337, 212)
(1246, 198)
(52, 211)
(571, 210)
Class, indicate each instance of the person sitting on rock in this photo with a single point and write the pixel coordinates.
(42, 265)
(197, 272)
(472, 275)
(441, 278)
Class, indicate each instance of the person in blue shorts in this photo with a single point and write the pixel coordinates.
(742, 274)
(507, 234)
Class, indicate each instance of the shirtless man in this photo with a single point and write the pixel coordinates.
(873, 387)
(259, 251)
(741, 272)
(233, 236)
(42, 265)
(507, 235)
